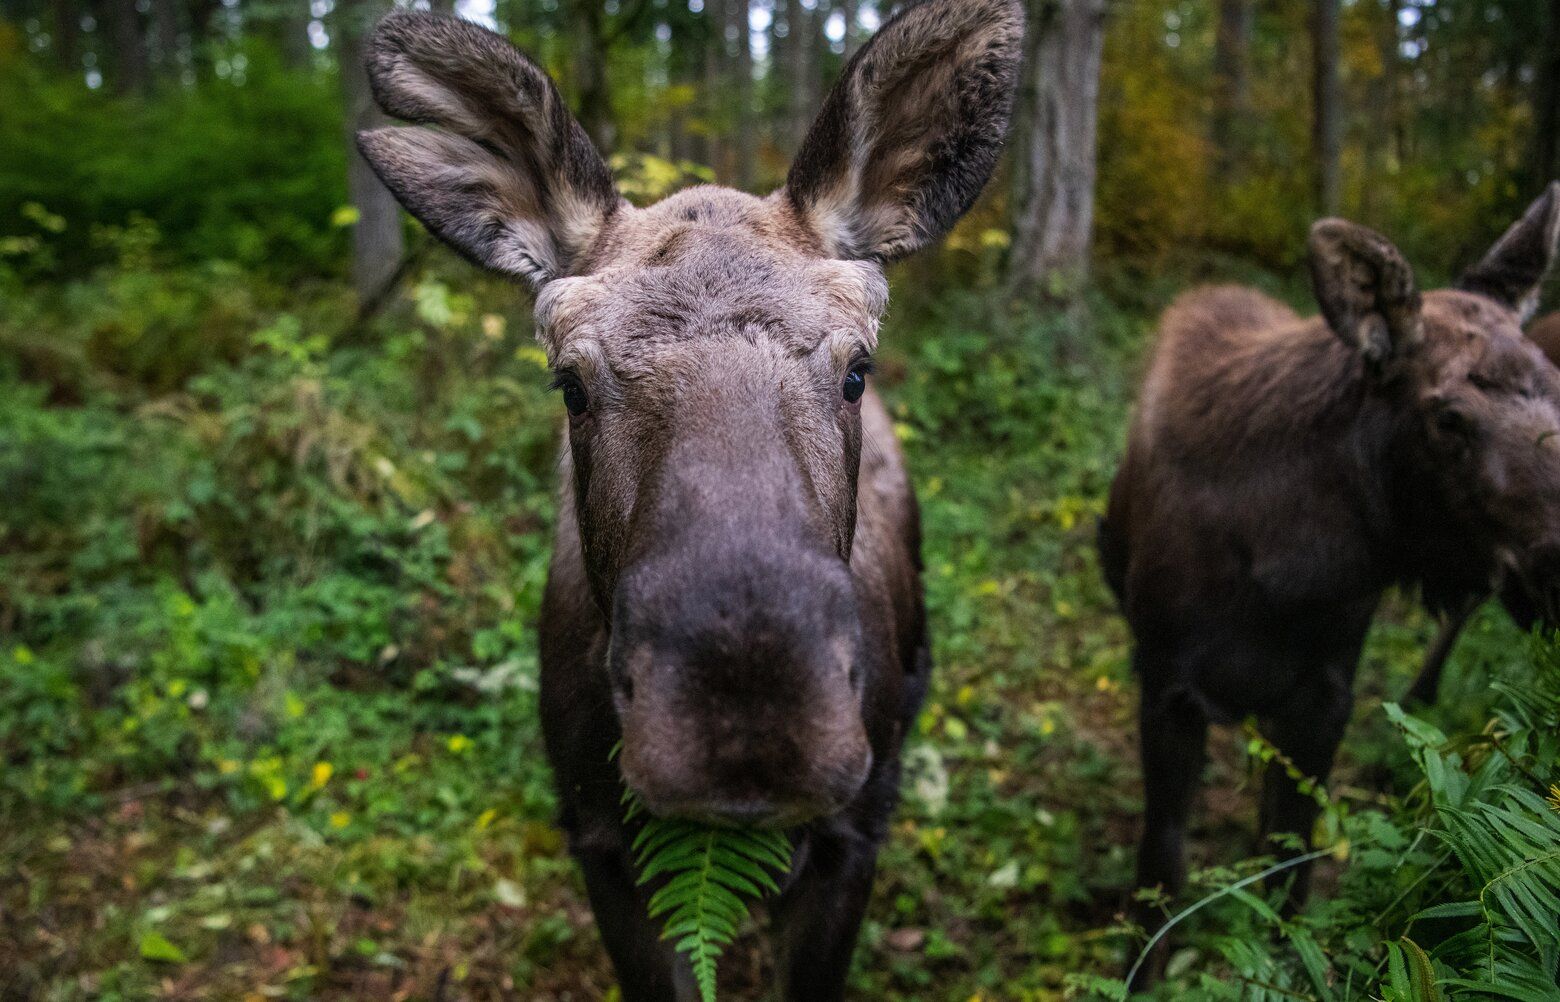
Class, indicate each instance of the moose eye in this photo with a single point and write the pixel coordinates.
(855, 382)
(574, 396)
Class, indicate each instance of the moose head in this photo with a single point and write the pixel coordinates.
(712, 351)
(1482, 401)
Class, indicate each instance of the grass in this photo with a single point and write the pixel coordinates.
(267, 670)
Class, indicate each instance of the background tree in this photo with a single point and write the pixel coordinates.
(1231, 93)
(1326, 110)
(131, 73)
(1546, 100)
(1055, 122)
(376, 235)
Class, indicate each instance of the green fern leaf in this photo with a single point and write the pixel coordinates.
(710, 875)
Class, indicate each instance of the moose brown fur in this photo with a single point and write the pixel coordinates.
(1281, 472)
(1545, 333)
(734, 592)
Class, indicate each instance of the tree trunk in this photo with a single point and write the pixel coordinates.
(851, 10)
(593, 99)
(129, 63)
(1546, 104)
(202, 12)
(286, 24)
(376, 239)
(798, 50)
(165, 23)
(1326, 124)
(67, 36)
(1231, 85)
(715, 66)
(1054, 149)
(738, 24)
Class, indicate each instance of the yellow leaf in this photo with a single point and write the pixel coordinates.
(486, 818)
(345, 215)
(340, 819)
(320, 775)
(459, 743)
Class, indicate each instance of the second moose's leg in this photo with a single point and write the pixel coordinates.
(1173, 732)
(1307, 734)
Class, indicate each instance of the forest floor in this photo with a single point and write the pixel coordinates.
(374, 832)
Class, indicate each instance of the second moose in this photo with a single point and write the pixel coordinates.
(1281, 473)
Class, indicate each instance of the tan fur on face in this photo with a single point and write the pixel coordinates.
(708, 261)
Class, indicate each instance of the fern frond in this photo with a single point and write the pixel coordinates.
(710, 874)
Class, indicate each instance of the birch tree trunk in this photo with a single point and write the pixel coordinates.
(376, 239)
(1054, 143)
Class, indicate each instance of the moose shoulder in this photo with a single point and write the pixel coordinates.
(1282, 472)
(734, 592)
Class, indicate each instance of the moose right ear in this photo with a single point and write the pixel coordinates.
(508, 178)
(1365, 288)
(1512, 273)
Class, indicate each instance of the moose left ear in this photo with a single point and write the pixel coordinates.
(1365, 288)
(1513, 270)
(911, 132)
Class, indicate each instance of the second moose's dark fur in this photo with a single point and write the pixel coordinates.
(1282, 472)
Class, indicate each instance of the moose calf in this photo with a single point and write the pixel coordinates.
(1280, 473)
(734, 591)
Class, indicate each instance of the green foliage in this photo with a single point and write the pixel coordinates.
(269, 577)
(246, 169)
(708, 874)
(1451, 894)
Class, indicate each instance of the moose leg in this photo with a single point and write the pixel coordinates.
(1308, 736)
(646, 967)
(816, 921)
(1428, 684)
(1173, 733)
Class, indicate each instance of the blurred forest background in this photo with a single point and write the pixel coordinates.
(276, 483)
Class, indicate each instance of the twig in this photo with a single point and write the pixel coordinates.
(1221, 892)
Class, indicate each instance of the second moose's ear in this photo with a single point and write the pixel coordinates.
(507, 177)
(911, 132)
(1366, 290)
(1514, 269)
